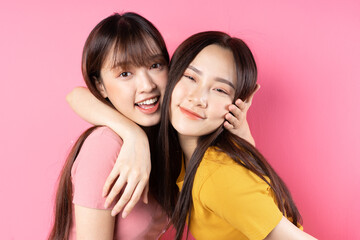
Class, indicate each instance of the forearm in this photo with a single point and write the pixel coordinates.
(133, 166)
(92, 110)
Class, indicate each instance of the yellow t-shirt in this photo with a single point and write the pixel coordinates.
(230, 201)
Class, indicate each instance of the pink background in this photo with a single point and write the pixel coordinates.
(305, 118)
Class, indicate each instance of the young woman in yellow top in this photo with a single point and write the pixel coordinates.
(228, 189)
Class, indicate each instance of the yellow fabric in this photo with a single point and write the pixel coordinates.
(230, 202)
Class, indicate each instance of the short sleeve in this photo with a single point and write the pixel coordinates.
(92, 166)
(242, 199)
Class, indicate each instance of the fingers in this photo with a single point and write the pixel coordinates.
(135, 198)
(237, 109)
(237, 114)
(228, 126)
(115, 190)
(232, 120)
(145, 194)
(135, 186)
(125, 198)
(110, 181)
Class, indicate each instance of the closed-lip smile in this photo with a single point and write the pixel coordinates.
(190, 114)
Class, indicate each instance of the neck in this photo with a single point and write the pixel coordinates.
(188, 145)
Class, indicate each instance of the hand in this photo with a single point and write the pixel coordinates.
(132, 168)
(236, 121)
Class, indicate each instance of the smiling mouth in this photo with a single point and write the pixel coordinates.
(190, 114)
(148, 106)
(148, 102)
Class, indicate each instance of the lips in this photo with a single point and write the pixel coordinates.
(190, 114)
(149, 105)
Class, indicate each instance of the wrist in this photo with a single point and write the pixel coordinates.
(136, 136)
(246, 134)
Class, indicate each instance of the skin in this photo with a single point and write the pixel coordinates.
(199, 102)
(136, 91)
(93, 224)
(200, 99)
(133, 164)
(125, 88)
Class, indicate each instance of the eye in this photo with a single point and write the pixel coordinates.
(189, 77)
(221, 91)
(125, 74)
(156, 66)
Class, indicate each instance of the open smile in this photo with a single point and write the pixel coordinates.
(149, 105)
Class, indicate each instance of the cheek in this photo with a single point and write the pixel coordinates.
(121, 94)
(161, 80)
(220, 108)
(180, 91)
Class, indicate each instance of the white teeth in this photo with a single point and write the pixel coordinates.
(148, 102)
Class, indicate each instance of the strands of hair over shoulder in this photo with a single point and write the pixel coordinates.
(127, 39)
(237, 148)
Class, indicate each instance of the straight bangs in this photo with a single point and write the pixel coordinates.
(138, 50)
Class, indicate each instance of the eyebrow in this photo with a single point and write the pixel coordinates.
(217, 79)
(156, 57)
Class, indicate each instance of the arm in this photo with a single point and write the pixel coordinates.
(133, 164)
(236, 121)
(248, 207)
(93, 223)
(286, 230)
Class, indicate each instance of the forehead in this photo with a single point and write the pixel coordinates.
(216, 61)
(141, 52)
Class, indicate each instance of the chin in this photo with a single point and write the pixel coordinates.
(186, 131)
(149, 123)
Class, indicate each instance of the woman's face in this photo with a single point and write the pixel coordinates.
(201, 98)
(136, 92)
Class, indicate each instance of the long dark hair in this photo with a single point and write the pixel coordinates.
(132, 40)
(237, 148)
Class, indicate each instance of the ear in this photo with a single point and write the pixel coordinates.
(100, 87)
(249, 99)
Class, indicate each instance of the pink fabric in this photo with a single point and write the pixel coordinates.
(89, 172)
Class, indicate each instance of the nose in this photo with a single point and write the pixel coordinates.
(198, 96)
(146, 83)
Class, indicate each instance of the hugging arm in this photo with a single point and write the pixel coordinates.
(133, 164)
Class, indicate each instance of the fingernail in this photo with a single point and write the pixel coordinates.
(124, 214)
(106, 205)
(113, 213)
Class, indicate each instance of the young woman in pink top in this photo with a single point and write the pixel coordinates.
(124, 65)
(118, 42)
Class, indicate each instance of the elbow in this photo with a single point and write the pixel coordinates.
(71, 96)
